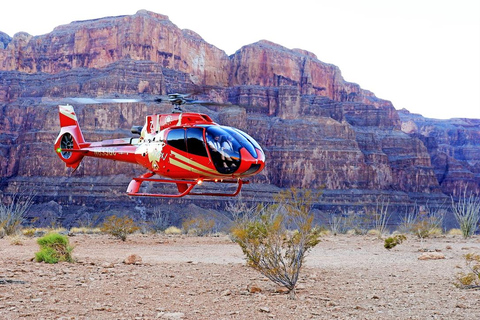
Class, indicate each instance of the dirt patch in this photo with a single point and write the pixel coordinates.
(345, 277)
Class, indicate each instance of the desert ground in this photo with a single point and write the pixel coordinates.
(184, 277)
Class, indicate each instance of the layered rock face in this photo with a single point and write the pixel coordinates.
(318, 131)
(454, 148)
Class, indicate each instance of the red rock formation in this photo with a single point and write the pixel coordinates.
(145, 36)
(317, 129)
(454, 149)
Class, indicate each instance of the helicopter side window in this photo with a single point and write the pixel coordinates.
(176, 139)
(195, 143)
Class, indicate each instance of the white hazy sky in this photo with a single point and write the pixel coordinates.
(423, 55)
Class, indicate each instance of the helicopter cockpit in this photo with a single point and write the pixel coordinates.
(224, 144)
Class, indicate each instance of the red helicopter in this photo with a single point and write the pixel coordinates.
(184, 148)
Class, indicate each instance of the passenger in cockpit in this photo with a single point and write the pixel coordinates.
(216, 146)
(227, 148)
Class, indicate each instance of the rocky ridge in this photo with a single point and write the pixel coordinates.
(317, 129)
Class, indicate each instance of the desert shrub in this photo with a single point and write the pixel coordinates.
(380, 215)
(359, 222)
(16, 240)
(374, 232)
(12, 214)
(467, 213)
(85, 230)
(393, 241)
(159, 221)
(54, 247)
(338, 224)
(424, 221)
(470, 279)
(119, 227)
(89, 220)
(173, 230)
(198, 226)
(29, 232)
(277, 237)
(455, 232)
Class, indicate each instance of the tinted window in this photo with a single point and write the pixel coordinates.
(249, 138)
(242, 140)
(195, 142)
(176, 139)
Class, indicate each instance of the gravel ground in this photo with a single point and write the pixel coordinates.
(179, 277)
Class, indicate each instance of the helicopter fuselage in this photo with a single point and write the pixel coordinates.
(185, 146)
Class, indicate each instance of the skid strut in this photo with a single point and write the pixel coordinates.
(184, 187)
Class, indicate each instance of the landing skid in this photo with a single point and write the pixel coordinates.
(184, 187)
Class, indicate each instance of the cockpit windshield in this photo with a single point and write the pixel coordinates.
(224, 149)
(224, 144)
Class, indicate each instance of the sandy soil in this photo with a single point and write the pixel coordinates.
(345, 277)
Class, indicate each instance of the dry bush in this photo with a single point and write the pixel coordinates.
(455, 232)
(159, 220)
(470, 279)
(198, 226)
(173, 230)
(119, 227)
(276, 239)
(12, 213)
(424, 221)
(85, 230)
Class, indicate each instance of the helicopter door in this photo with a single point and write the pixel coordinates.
(195, 143)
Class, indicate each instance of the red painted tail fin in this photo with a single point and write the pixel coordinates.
(69, 142)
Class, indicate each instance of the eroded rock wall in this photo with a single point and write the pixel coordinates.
(318, 130)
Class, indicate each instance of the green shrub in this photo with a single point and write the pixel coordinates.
(54, 248)
(467, 213)
(119, 227)
(391, 242)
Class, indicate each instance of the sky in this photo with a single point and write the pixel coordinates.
(422, 55)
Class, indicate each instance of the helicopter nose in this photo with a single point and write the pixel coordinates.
(251, 165)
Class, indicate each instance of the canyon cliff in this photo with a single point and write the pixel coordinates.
(318, 130)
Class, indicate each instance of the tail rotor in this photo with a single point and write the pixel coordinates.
(70, 139)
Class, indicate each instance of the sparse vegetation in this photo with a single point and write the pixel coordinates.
(54, 248)
(370, 220)
(119, 227)
(381, 215)
(16, 240)
(393, 241)
(173, 230)
(198, 226)
(159, 221)
(277, 237)
(423, 221)
(338, 224)
(455, 232)
(470, 279)
(85, 230)
(467, 213)
(13, 213)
